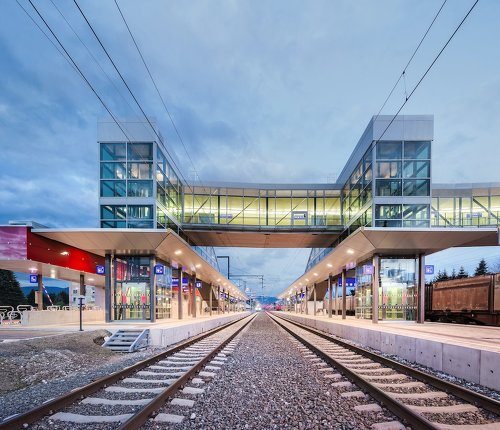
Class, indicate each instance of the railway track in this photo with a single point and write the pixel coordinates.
(138, 390)
(420, 400)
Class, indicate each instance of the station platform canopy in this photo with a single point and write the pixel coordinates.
(67, 253)
(367, 241)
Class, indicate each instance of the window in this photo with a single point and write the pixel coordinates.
(417, 150)
(389, 150)
(388, 169)
(140, 212)
(113, 212)
(113, 171)
(113, 152)
(388, 211)
(388, 187)
(417, 169)
(140, 224)
(140, 188)
(416, 212)
(140, 170)
(113, 189)
(140, 151)
(416, 187)
(388, 223)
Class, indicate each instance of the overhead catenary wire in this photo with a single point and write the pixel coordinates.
(160, 140)
(77, 68)
(428, 69)
(91, 55)
(403, 73)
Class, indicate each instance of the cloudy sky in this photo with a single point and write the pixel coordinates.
(276, 91)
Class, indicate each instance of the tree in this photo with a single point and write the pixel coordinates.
(462, 273)
(482, 268)
(453, 274)
(10, 290)
(441, 276)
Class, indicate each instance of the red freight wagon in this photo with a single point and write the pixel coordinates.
(467, 300)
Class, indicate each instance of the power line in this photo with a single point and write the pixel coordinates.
(156, 86)
(428, 69)
(78, 69)
(402, 75)
(92, 56)
(160, 140)
(46, 35)
(135, 99)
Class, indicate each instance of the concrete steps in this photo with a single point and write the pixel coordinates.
(128, 340)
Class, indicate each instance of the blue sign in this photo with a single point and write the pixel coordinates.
(159, 269)
(33, 279)
(429, 269)
(198, 284)
(100, 270)
(350, 282)
(368, 269)
(175, 282)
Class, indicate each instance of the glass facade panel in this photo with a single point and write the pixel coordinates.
(388, 211)
(417, 150)
(140, 170)
(140, 188)
(113, 152)
(113, 189)
(388, 187)
(416, 187)
(113, 171)
(398, 298)
(140, 151)
(389, 150)
(389, 169)
(417, 169)
(131, 289)
(140, 212)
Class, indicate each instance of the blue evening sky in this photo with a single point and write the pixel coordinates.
(276, 91)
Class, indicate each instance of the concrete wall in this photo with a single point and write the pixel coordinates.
(472, 364)
(166, 336)
(32, 318)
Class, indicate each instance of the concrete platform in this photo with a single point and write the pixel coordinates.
(162, 333)
(464, 351)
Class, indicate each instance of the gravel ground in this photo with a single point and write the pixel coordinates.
(445, 376)
(36, 370)
(267, 384)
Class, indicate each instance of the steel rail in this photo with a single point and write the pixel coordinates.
(142, 415)
(399, 409)
(19, 421)
(465, 394)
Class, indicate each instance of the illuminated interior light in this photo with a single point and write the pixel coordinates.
(329, 265)
(178, 252)
(197, 265)
(350, 251)
(65, 253)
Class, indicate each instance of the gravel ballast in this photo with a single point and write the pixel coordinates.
(268, 384)
(33, 371)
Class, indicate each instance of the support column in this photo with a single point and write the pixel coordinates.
(336, 296)
(210, 299)
(179, 296)
(194, 295)
(344, 292)
(330, 296)
(40, 290)
(218, 300)
(152, 289)
(421, 289)
(107, 286)
(375, 288)
(314, 297)
(228, 303)
(307, 300)
(296, 303)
